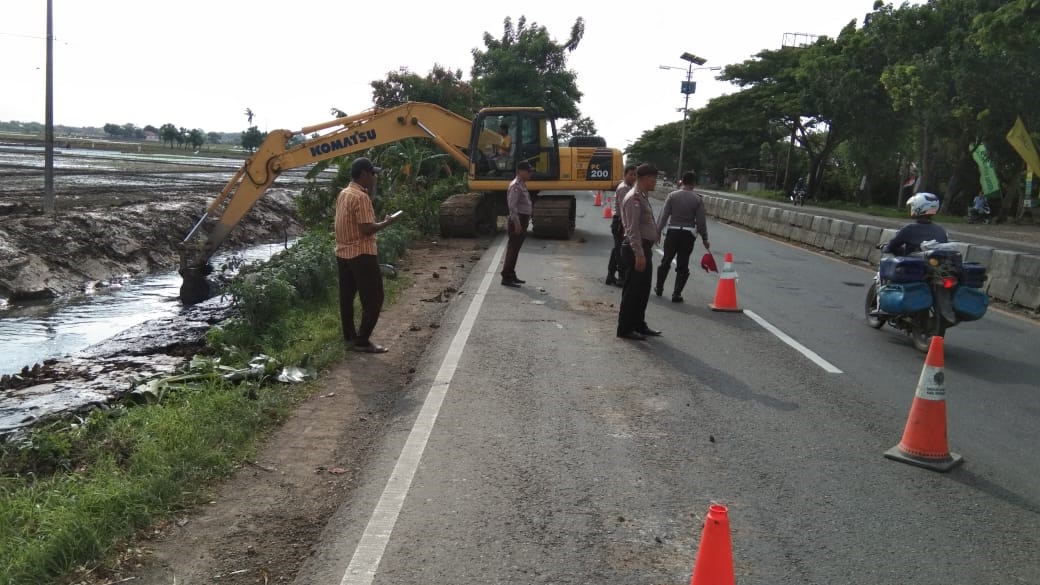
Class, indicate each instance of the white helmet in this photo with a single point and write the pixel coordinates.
(923, 204)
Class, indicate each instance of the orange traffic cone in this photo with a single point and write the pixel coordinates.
(599, 198)
(924, 438)
(608, 210)
(714, 564)
(726, 292)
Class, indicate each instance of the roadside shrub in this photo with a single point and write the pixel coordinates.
(305, 275)
(421, 202)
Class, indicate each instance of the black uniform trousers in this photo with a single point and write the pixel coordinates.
(618, 231)
(678, 245)
(359, 276)
(636, 294)
(513, 246)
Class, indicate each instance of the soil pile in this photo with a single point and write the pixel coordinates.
(100, 236)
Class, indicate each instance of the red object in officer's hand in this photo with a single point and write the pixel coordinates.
(708, 263)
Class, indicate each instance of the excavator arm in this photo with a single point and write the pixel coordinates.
(349, 134)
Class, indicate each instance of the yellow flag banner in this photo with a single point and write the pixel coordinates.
(1022, 142)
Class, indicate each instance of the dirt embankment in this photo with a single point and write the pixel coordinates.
(101, 234)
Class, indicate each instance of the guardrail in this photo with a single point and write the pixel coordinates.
(1013, 277)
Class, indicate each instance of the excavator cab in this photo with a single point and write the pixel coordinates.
(503, 137)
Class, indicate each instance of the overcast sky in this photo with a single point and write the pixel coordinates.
(200, 64)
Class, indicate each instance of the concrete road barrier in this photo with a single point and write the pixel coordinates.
(1013, 277)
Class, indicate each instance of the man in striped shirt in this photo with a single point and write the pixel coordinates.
(356, 256)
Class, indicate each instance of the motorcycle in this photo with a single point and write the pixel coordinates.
(798, 196)
(979, 216)
(926, 293)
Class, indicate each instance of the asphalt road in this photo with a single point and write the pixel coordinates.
(536, 447)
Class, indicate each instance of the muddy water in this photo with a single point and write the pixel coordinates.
(33, 332)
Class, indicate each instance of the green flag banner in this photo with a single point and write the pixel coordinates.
(987, 175)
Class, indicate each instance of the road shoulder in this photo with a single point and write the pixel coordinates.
(262, 524)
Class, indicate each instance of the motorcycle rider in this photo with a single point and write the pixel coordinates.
(979, 208)
(923, 206)
(798, 192)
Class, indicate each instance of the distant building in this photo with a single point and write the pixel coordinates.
(150, 136)
(738, 179)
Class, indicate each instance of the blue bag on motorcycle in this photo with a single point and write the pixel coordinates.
(973, 274)
(899, 269)
(909, 297)
(969, 303)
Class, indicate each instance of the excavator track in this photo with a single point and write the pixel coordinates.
(466, 215)
(554, 216)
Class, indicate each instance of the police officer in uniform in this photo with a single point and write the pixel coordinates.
(637, 255)
(617, 230)
(684, 214)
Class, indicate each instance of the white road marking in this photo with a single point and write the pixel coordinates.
(812, 355)
(370, 549)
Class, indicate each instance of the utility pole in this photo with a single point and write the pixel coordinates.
(688, 87)
(48, 148)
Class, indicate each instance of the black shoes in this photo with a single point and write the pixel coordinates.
(659, 290)
(611, 280)
(677, 298)
(512, 281)
(370, 348)
(640, 334)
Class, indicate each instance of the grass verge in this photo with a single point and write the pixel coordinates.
(75, 491)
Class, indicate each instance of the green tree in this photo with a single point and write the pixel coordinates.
(526, 67)
(132, 131)
(196, 138)
(114, 130)
(168, 133)
(583, 126)
(842, 79)
(252, 138)
(729, 132)
(213, 137)
(440, 86)
(957, 93)
(775, 83)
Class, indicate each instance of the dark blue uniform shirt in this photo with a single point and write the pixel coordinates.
(910, 237)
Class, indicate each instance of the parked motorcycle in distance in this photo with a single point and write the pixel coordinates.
(979, 216)
(926, 293)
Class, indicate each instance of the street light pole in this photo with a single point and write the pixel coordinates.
(685, 111)
(687, 88)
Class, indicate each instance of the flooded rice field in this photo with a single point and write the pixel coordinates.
(82, 168)
(35, 331)
(107, 311)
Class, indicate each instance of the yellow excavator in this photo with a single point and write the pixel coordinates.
(489, 146)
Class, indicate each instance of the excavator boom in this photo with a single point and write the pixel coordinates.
(275, 155)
